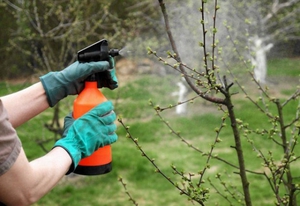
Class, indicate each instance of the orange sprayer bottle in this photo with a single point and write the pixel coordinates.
(100, 162)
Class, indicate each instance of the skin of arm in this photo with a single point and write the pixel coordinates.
(25, 104)
(26, 182)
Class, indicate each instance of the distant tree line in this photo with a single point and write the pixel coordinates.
(40, 36)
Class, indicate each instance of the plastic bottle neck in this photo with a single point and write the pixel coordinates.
(90, 84)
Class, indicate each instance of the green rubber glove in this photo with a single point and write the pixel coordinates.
(86, 134)
(70, 81)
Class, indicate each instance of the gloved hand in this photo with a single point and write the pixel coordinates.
(108, 78)
(86, 134)
(70, 81)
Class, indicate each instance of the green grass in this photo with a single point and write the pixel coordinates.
(198, 128)
(284, 67)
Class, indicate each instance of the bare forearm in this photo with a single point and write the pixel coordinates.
(25, 182)
(25, 104)
(49, 170)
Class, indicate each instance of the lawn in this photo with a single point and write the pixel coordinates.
(198, 127)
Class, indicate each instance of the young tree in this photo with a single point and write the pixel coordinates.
(208, 82)
(254, 27)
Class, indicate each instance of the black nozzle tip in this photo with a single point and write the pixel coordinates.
(114, 52)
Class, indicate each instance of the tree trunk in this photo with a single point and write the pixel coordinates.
(259, 60)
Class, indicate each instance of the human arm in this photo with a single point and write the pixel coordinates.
(25, 104)
(21, 182)
(26, 182)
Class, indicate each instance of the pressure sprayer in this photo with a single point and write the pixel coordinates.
(100, 162)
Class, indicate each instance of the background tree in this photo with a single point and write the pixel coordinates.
(48, 34)
(8, 65)
(259, 25)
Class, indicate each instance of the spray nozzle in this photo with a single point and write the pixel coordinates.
(96, 52)
(114, 52)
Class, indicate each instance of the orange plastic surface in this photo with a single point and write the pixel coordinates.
(90, 97)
